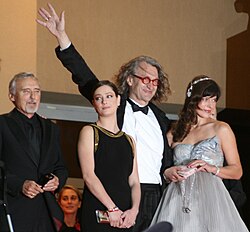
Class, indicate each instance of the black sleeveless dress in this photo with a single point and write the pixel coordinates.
(113, 165)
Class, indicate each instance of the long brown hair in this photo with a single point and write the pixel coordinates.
(201, 86)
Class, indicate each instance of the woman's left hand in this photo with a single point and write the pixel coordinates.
(129, 217)
(201, 166)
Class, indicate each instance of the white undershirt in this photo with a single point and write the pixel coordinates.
(147, 134)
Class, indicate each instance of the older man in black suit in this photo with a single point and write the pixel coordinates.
(30, 150)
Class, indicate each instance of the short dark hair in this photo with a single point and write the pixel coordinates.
(104, 83)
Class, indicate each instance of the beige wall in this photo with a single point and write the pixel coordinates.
(187, 37)
(17, 43)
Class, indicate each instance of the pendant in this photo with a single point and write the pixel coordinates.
(186, 210)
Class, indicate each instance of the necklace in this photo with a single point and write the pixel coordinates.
(186, 192)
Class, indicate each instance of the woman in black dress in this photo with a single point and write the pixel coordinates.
(109, 167)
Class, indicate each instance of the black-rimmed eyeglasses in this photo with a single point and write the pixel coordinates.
(147, 80)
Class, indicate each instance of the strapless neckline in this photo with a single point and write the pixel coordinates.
(197, 143)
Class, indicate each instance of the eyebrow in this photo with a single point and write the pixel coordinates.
(147, 73)
(30, 88)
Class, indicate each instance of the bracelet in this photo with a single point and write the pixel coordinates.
(217, 171)
(114, 209)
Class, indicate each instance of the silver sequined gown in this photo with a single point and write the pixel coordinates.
(211, 207)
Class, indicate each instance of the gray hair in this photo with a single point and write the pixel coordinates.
(18, 76)
(128, 69)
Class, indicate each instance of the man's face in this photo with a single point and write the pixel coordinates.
(138, 91)
(27, 96)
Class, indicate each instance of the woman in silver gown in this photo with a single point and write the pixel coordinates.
(196, 199)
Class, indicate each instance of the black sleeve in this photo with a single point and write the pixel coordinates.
(236, 192)
(82, 75)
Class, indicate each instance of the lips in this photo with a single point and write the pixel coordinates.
(31, 103)
(207, 111)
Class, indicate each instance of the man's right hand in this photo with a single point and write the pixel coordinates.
(55, 25)
(31, 189)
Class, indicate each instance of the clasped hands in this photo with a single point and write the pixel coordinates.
(172, 175)
(121, 219)
(31, 189)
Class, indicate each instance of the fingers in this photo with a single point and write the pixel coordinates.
(173, 175)
(44, 14)
(197, 164)
(62, 17)
(115, 218)
(31, 189)
(52, 185)
(41, 22)
(128, 219)
(52, 10)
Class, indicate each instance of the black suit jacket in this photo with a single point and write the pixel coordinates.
(86, 79)
(16, 154)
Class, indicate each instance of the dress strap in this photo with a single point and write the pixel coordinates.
(96, 136)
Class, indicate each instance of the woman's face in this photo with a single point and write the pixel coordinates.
(105, 101)
(207, 107)
(69, 201)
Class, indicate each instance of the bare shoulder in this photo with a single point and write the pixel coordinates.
(86, 130)
(222, 128)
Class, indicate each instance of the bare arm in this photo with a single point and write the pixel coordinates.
(129, 216)
(233, 169)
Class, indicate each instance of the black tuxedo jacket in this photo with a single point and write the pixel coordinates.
(86, 79)
(16, 154)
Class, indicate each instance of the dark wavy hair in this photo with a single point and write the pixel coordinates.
(128, 69)
(201, 86)
(104, 83)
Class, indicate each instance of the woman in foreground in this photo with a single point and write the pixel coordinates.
(197, 199)
(108, 163)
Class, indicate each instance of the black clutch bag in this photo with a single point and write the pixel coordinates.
(102, 216)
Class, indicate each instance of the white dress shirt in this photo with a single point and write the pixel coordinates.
(147, 134)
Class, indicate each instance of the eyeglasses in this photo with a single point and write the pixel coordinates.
(147, 80)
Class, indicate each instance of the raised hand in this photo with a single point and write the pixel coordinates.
(54, 24)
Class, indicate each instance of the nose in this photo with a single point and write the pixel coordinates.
(150, 85)
(32, 94)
